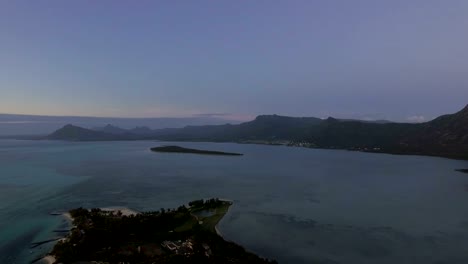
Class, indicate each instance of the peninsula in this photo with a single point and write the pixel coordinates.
(462, 170)
(187, 234)
(177, 149)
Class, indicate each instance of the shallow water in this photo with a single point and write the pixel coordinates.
(292, 204)
(205, 213)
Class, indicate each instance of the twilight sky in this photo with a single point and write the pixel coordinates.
(398, 60)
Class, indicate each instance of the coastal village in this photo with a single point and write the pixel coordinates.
(121, 235)
(185, 248)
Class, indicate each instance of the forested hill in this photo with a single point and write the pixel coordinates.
(444, 136)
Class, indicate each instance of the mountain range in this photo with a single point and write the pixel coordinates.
(444, 136)
(11, 124)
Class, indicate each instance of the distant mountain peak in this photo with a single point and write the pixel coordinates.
(141, 130)
(446, 135)
(464, 110)
(259, 117)
(71, 132)
(110, 129)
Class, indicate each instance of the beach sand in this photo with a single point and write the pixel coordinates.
(218, 232)
(49, 259)
(125, 211)
(68, 216)
(216, 227)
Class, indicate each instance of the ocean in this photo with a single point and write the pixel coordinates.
(295, 205)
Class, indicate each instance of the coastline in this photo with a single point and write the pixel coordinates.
(68, 217)
(50, 259)
(124, 210)
(205, 233)
(218, 232)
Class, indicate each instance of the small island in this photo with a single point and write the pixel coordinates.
(177, 149)
(187, 234)
(462, 170)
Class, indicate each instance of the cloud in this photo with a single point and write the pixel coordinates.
(416, 119)
(212, 114)
(149, 112)
(23, 122)
(227, 116)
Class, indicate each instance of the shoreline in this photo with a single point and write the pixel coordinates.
(124, 210)
(205, 233)
(68, 217)
(50, 259)
(218, 232)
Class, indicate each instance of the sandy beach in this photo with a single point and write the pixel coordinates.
(49, 259)
(226, 200)
(125, 211)
(218, 232)
(68, 216)
(216, 227)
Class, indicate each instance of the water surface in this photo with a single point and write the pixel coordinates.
(292, 204)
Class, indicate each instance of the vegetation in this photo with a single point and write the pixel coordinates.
(164, 236)
(445, 136)
(177, 149)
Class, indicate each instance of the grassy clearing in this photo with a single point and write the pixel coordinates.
(187, 225)
(210, 222)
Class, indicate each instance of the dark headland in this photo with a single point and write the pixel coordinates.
(462, 170)
(177, 149)
(186, 234)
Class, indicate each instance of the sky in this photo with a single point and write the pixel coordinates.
(369, 59)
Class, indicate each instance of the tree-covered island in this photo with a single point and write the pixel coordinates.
(177, 149)
(184, 235)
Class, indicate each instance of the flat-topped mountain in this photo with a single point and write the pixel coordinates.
(448, 129)
(444, 136)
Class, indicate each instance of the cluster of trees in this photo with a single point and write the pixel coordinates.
(206, 204)
(100, 235)
(103, 236)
